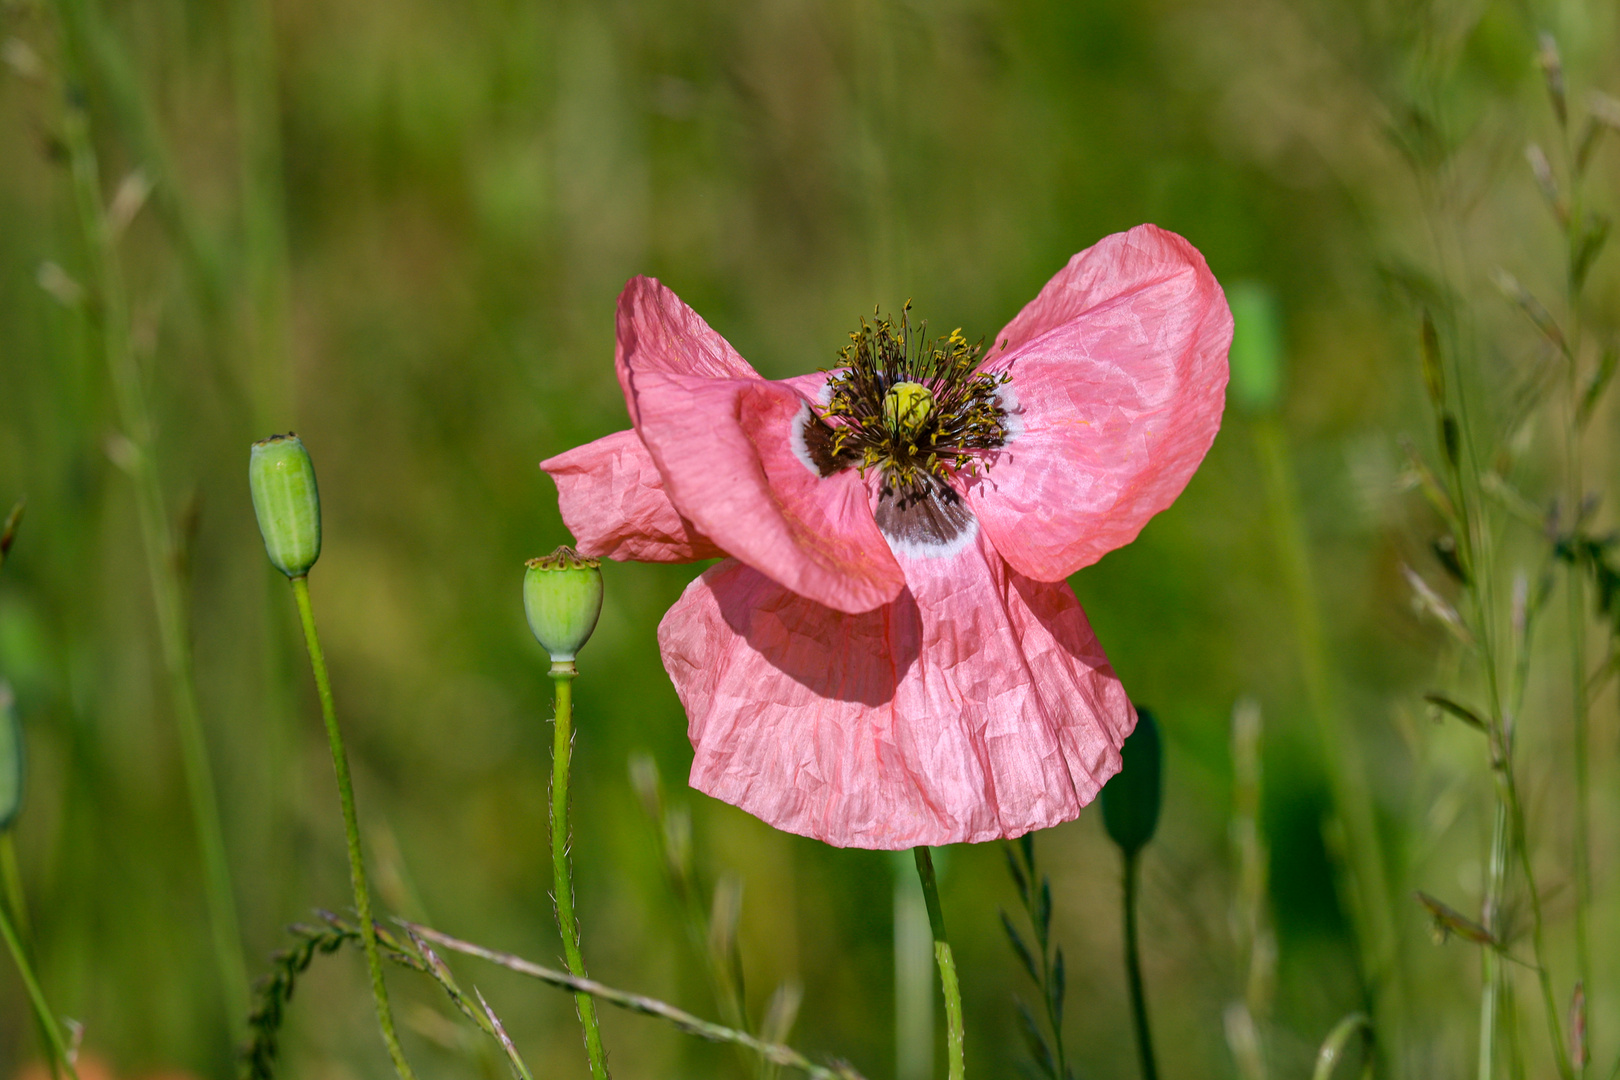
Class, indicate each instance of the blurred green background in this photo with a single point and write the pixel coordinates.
(399, 228)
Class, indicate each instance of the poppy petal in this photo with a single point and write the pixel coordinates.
(977, 705)
(731, 449)
(612, 499)
(658, 332)
(1118, 377)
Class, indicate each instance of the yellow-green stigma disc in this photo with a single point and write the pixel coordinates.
(907, 407)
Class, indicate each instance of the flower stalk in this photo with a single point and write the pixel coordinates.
(1133, 971)
(562, 681)
(1130, 804)
(562, 599)
(947, 965)
(351, 828)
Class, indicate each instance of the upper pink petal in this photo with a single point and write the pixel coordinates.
(729, 448)
(657, 332)
(977, 705)
(726, 450)
(612, 499)
(1118, 382)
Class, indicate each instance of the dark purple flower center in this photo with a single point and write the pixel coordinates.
(920, 411)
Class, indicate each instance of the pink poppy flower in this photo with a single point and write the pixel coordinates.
(890, 654)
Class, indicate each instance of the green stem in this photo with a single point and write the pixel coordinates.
(1577, 606)
(562, 747)
(1338, 1041)
(351, 828)
(11, 878)
(36, 996)
(1133, 972)
(947, 965)
(11, 885)
(1493, 978)
(173, 619)
(1549, 1000)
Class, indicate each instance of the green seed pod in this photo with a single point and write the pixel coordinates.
(1130, 801)
(287, 502)
(562, 596)
(1257, 349)
(11, 759)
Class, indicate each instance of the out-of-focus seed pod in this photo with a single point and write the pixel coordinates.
(1130, 801)
(11, 759)
(287, 502)
(562, 596)
(1257, 350)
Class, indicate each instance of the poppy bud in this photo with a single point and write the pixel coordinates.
(562, 596)
(1130, 801)
(11, 760)
(287, 502)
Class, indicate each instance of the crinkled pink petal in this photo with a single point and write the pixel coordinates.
(977, 705)
(658, 332)
(730, 450)
(1118, 382)
(726, 450)
(612, 499)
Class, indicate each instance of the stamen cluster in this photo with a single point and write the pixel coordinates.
(963, 419)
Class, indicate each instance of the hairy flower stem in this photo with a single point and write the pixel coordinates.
(946, 962)
(351, 829)
(36, 996)
(1133, 970)
(137, 456)
(562, 681)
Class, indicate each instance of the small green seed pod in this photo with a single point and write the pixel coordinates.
(11, 759)
(287, 502)
(562, 596)
(1130, 801)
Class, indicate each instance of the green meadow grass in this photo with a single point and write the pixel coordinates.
(398, 228)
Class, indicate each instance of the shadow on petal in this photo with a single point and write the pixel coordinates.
(857, 658)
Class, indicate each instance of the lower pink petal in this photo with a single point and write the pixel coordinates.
(612, 499)
(978, 705)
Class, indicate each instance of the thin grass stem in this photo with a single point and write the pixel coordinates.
(1576, 590)
(351, 829)
(562, 681)
(12, 890)
(11, 880)
(173, 617)
(1338, 1042)
(693, 1025)
(36, 997)
(1493, 977)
